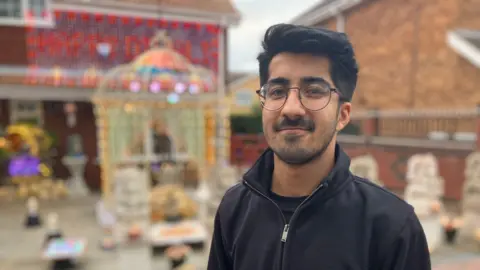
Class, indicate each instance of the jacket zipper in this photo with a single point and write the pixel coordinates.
(286, 227)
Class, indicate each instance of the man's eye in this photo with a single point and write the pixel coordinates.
(316, 91)
(277, 92)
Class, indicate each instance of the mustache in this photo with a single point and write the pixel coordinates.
(300, 123)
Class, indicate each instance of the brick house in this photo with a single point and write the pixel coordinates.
(412, 54)
(421, 59)
(56, 40)
(420, 70)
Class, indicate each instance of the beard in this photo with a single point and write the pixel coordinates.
(292, 152)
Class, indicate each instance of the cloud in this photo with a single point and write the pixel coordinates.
(257, 15)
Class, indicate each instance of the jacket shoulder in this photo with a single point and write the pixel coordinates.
(386, 211)
(376, 193)
(385, 207)
(232, 199)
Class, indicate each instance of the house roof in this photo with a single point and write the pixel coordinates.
(233, 76)
(475, 41)
(224, 7)
(238, 82)
(324, 10)
(466, 42)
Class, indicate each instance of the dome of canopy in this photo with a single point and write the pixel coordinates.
(160, 69)
(159, 60)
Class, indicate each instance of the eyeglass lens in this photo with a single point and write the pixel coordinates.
(312, 96)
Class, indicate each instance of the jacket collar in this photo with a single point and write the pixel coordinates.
(260, 175)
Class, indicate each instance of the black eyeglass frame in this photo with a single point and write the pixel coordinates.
(332, 89)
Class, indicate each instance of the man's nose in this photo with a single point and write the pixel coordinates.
(293, 107)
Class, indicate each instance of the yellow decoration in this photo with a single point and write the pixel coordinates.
(128, 108)
(22, 191)
(37, 142)
(159, 199)
(59, 190)
(477, 235)
(57, 72)
(44, 170)
(3, 143)
(6, 193)
(31, 135)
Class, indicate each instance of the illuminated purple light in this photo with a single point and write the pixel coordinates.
(135, 86)
(180, 88)
(155, 87)
(194, 89)
(24, 166)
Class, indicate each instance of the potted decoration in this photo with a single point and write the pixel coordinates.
(178, 256)
(450, 228)
(134, 233)
(477, 235)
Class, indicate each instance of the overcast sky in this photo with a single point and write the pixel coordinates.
(257, 16)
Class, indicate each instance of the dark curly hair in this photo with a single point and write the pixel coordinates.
(315, 41)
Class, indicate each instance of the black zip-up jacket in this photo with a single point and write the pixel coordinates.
(347, 223)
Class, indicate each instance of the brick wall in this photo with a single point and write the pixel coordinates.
(13, 46)
(404, 59)
(391, 160)
(392, 165)
(246, 148)
(55, 121)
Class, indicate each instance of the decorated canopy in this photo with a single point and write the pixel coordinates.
(160, 70)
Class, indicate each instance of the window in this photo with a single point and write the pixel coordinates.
(23, 12)
(25, 111)
(37, 9)
(244, 97)
(11, 9)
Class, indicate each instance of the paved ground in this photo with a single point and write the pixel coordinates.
(20, 249)
(454, 259)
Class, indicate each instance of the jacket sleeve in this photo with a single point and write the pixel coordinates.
(219, 258)
(409, 250)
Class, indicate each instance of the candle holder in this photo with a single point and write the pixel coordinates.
(177, 255)
(450, 228)
(477, 236)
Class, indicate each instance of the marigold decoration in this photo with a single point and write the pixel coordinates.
(457, 222)
(158, 200)
(27, 145)
(28, 137)
(477, 235)
(436, 206)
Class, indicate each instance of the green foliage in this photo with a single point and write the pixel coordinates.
(4, 154)
(247, 124)
(53, 137)
(252, 124)
(351, 129)
(29, 122)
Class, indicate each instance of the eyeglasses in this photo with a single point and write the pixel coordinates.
(312, 96)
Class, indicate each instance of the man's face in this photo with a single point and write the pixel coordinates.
(298, 135)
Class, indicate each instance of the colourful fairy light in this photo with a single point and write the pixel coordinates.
(155, 87)
(180, 88)
(194, 89)
(135, 86)
(173, 98)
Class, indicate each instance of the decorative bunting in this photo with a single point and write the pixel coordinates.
(82, 40)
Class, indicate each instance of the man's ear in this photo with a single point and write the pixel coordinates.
(343, 117)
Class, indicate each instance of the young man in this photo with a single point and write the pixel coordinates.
(299, 207)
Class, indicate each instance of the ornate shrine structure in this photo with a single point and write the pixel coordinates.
(59, 51)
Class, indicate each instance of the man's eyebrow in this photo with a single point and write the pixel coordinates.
(313, 79)
(279, 80)
(304, 80)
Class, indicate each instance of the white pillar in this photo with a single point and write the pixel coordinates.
(222, 110)
(340, 22)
